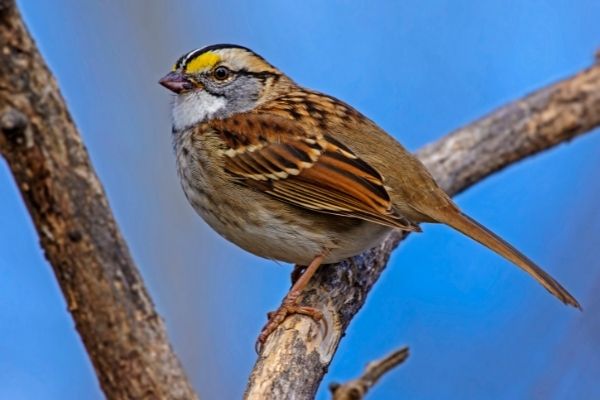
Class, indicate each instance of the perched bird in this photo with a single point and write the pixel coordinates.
(298, 176)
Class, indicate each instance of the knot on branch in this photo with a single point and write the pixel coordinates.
(13, 124)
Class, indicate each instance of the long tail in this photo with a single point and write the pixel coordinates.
(468, 226)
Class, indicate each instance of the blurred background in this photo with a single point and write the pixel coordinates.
(477, 327)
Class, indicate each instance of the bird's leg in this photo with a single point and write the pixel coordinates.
(289, 304)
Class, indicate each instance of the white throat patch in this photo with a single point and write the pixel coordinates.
(192, 108)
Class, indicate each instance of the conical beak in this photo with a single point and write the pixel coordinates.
(176, 82)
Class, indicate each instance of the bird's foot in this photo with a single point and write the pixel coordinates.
(288, 307)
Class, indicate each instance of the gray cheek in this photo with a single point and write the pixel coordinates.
(242, 95)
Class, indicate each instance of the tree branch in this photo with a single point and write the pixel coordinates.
(114, 315)
(358, 388)
(124, 336)
(296, 356)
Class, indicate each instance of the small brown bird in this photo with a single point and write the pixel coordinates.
(294, 175)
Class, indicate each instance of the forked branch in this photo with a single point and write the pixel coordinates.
(124, 337)
(296, 356)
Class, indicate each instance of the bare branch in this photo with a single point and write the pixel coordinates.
(358, 388)
(124, 336)
(296, 356)
(114, 315)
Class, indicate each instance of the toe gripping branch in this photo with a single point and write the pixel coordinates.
(290, 306)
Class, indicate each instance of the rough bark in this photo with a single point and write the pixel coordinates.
(125, 338)
(296, 356)
(123, 335)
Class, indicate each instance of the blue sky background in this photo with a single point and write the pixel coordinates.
(477, 327)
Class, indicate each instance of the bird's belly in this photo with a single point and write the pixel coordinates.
(265, 226)
(284, 233)
(352, 242)
(264, 235)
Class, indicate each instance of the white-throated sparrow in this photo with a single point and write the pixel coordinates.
(298, 176)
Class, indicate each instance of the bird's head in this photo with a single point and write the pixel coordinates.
(219, 81)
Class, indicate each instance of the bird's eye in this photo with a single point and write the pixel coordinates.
(221, 73)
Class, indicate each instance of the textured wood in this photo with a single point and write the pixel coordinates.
(296, 356)
(124, 336)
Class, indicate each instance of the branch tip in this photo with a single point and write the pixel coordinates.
(357, 389)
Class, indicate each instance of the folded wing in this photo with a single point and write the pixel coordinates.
(307, 169)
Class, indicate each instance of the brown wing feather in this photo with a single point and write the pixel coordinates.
(309, 170)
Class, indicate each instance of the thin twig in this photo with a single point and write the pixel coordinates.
(358, 388)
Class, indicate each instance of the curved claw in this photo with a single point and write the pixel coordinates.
(289, 304)
(277, 317)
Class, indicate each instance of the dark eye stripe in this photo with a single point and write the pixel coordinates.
(261, 74)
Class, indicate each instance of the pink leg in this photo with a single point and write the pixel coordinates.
(289, 304)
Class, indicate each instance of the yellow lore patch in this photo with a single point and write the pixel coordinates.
(202, 62)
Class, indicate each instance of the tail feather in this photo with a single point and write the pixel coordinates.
(468, 226)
